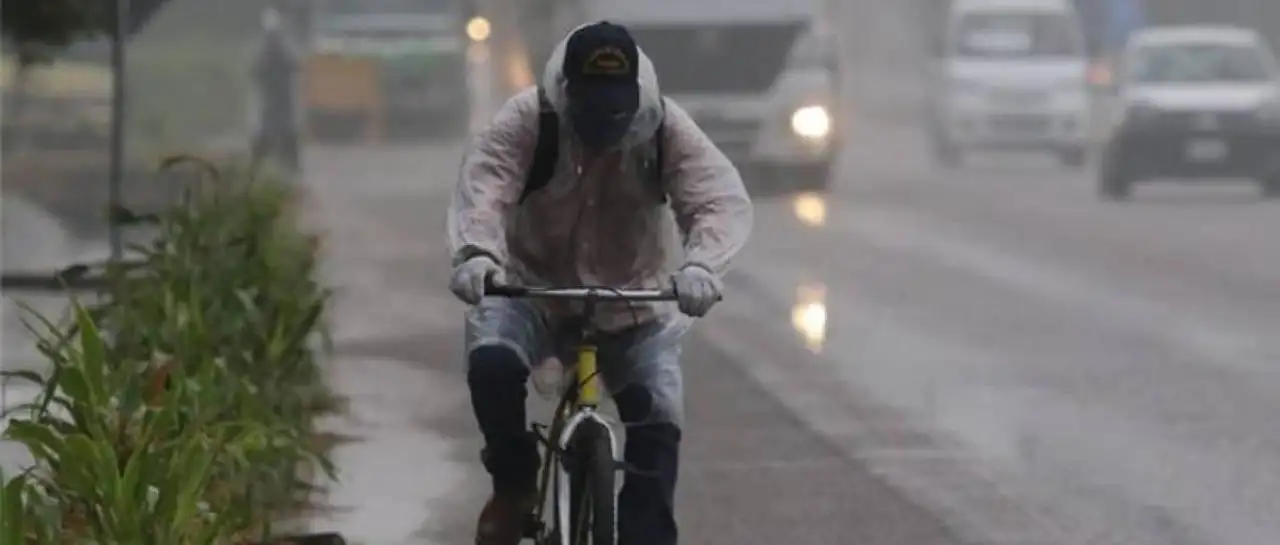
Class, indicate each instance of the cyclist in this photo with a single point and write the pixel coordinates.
(599, 220)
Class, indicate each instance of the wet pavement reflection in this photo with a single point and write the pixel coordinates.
(809, 315)
(810, 208)
(809, 311)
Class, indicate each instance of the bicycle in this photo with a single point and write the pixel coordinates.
(584, 454)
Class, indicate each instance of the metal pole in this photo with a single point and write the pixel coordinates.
(115, 178)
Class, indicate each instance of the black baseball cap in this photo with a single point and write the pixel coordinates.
(602, 81)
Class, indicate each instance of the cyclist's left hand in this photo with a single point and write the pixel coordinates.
(697, 290)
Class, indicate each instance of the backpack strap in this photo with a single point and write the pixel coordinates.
(547, 152)
(658, 168)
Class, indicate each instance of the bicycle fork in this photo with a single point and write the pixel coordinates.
(563, 500)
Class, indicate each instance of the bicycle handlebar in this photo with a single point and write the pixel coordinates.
(580, 292)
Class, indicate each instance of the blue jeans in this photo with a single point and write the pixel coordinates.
(640, 368)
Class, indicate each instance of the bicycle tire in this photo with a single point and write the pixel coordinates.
(592, 491)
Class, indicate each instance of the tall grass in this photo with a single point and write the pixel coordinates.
(178, 404)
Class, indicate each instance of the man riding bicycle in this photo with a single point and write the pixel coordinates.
(570, 185)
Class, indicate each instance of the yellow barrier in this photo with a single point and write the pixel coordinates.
(346, 85)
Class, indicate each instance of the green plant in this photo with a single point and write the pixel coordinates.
(25, 514)
(178, 406)
(123, 468)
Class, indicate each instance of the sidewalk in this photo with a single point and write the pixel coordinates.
(408, 476)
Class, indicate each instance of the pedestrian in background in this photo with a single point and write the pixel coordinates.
(275, 68)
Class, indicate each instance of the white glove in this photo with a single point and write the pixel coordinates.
(469, 278)
(697, 290)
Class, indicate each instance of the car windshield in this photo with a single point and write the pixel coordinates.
(1199, 63)
(1016, 34)
(811, 51)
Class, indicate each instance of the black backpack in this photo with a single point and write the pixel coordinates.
(547, 153)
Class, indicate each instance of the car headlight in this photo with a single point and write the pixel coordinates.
(479, 29)
(811, 122)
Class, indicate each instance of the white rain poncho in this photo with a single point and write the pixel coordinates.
(598, 222)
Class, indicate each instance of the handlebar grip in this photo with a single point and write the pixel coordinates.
(675, 293)
(495, 290)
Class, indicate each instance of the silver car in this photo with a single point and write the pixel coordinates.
(1195, 103)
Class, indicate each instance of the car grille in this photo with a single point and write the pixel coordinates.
(1211, 121)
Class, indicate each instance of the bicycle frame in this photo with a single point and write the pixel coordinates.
(583, 411)
(579, 403)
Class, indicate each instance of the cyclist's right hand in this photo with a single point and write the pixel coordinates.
(470, 277)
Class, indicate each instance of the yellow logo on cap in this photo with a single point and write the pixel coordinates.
(607, 61)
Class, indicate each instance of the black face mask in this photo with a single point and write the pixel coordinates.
(600, 131)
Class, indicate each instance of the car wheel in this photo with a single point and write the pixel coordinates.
(1115, 185)
(1073, 157)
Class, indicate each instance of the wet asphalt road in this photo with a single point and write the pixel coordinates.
(982, 355)
(987, 355)
(1107, 368)
(753, 473)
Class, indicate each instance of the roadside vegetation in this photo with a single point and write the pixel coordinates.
(178, 403)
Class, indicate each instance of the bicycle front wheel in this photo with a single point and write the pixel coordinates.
(592, 492)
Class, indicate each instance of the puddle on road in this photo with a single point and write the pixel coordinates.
(413, 476)
(396, 476)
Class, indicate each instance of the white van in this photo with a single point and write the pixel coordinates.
(760, 77)
(1013, 77)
